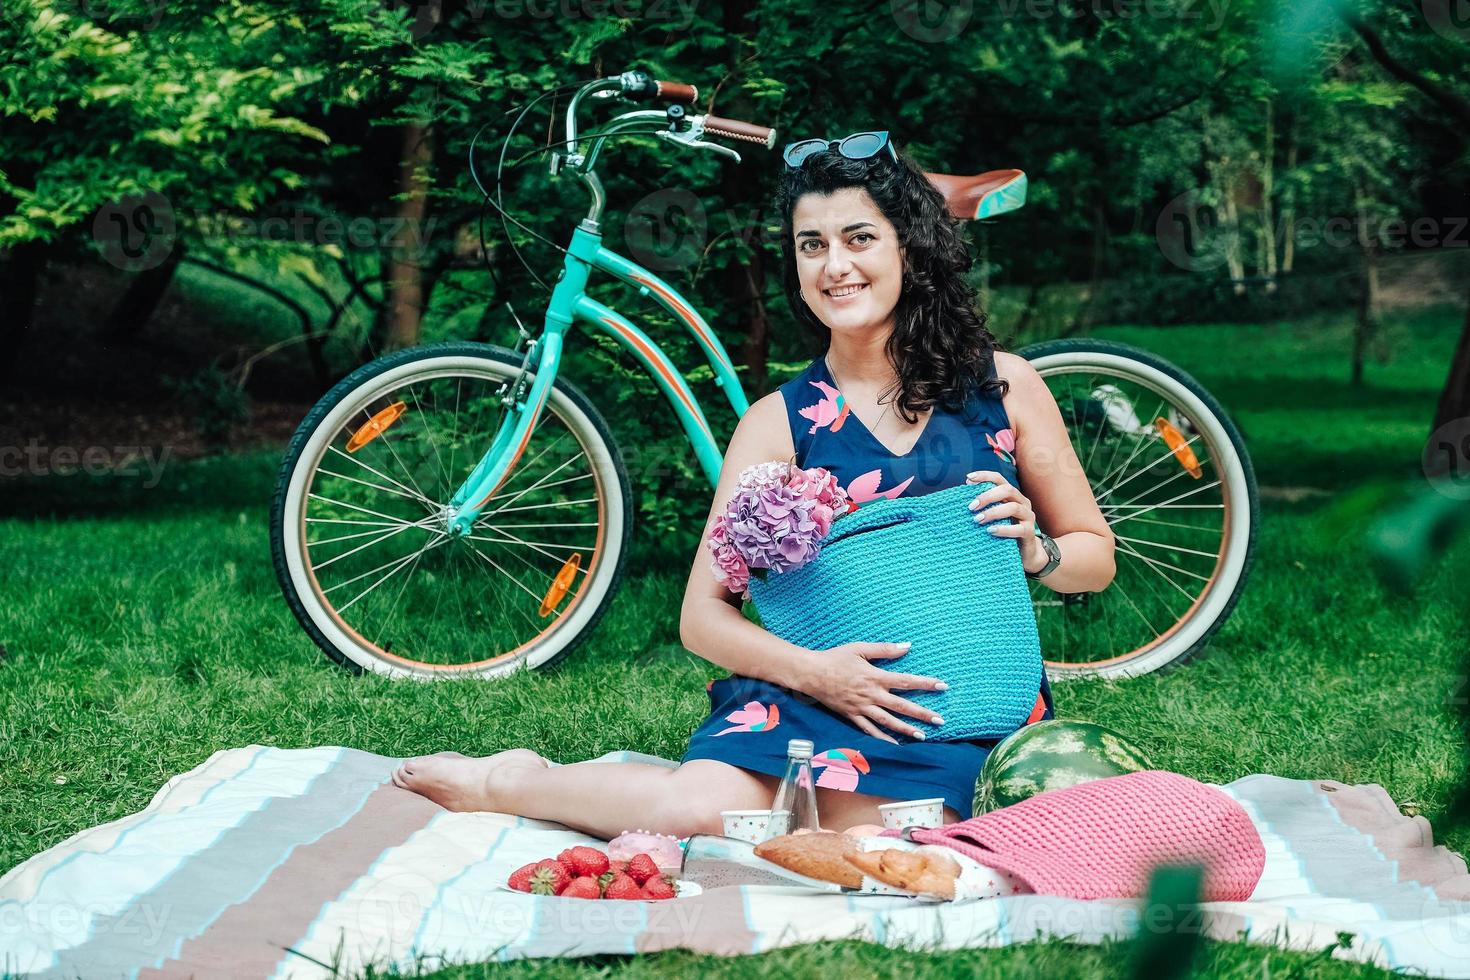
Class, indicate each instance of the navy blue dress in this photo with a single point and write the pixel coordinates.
(751, 720)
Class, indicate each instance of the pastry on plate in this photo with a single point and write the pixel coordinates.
(820, 855)
(923, 872)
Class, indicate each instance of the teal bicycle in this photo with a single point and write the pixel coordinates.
(458, 509)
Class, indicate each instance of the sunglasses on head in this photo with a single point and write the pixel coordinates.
(858, 146)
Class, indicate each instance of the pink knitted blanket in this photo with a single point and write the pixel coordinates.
(1103, 839)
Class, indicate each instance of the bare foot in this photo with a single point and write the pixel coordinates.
(464, 784)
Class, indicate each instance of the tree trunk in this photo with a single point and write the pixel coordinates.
(138, 303)
(1454, 400)
(1228, 218)
(20, 281)
(1367, 324)
(1268, 209)
(1288, 214)
(405, 306)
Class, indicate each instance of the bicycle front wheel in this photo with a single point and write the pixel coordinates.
(359, 532)
(1171, 474)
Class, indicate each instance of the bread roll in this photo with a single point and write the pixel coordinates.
(818, 855)
(925, 873)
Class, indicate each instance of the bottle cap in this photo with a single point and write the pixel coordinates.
(799, 748)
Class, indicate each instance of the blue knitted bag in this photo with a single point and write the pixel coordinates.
(921, 569)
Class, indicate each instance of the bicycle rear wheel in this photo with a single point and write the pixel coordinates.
(359, 531)
(1172, 476)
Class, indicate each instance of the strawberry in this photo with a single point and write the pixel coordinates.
(583, 887)
(520, 878)
(565, 857)
(623, 887)
(658, 888)
(606, 878)
(549, 878)
(585, 861)
(641, 868)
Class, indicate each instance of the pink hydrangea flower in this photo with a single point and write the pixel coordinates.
(775, 522)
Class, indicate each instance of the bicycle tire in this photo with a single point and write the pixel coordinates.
(1056, 353)
(564, 394)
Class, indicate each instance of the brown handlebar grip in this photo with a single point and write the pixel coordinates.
(677, 91)
(735, 129)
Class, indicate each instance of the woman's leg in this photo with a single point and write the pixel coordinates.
(838, 809)
(598, 798)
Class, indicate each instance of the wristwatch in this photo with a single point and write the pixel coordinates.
(1053, 552)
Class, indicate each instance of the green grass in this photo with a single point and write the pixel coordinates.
(143, 630)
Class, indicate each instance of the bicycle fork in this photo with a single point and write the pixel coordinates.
(570, 302)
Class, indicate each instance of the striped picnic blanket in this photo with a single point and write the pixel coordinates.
(273, 862)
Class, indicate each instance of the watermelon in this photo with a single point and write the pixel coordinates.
(1050, 755)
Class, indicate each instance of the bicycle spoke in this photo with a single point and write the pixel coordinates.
(1158, 565)
(432, 444)
(344, 537)
(387, 441)
(556, 613)
(535, 485)
(1134, 606)
(401, 565)
(336, 520)
(537, 547)
(381, 475)
(359, 578)
(558, 503)
(353, 479)
(367, 544)
(1171, 547)
(1168, 455)
(1147, 508)
(497, 527)
(343, 503)
(1142, 439)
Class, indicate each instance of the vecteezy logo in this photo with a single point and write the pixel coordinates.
(932, 21)
(667, 230)
(1446, 459)
(1189, 236)
(1448, 18)
(137, 232)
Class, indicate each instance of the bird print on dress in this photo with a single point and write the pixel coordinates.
(830, 411)
(754, 717)
(1004, 444)
(864, 488)
(839, 768)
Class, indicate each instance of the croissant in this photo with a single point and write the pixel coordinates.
(924, 872)
(816, 855)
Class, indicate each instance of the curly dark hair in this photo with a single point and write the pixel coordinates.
(940, 347)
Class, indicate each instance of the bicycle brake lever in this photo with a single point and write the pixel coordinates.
(697, 143)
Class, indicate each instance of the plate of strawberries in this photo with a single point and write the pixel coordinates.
(586, 872)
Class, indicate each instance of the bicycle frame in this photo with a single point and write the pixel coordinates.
(570, 303)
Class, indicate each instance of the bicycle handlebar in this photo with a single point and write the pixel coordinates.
(677, 91)
(737, 130)
(640, 85)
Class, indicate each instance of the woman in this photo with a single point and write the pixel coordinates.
(910, 397)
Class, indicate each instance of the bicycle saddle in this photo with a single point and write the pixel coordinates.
(984, 195)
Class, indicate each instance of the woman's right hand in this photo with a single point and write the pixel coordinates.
(844, 680)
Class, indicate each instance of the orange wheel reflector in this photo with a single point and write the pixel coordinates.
(561, 583)
(1179, 446)
(375, 426)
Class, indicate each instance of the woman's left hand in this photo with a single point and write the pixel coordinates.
(1009, 502)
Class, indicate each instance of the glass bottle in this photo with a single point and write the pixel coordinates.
(795, 805)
